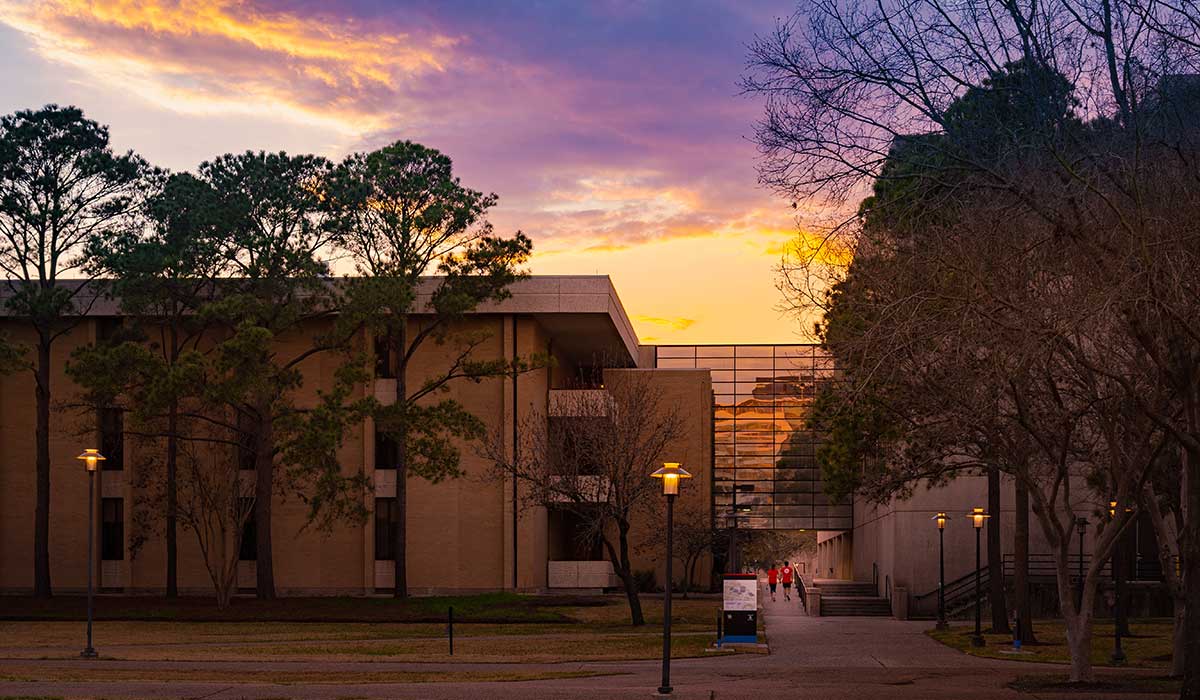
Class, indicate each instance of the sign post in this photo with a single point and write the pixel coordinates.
(740, 609)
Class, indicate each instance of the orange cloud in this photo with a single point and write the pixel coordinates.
(678, 324)
(201, 55)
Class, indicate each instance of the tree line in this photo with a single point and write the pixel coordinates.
(1023, 297)
(225, 282)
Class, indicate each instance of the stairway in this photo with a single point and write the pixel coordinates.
(851, 599)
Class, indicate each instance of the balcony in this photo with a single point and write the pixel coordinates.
(580, 403)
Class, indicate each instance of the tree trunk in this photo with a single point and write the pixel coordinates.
(172, 471)
(172, 498)
(1189, 551)
(1077, 619)
(400, 536)
(1079, 642)
(264, 470)
(996, 556)
(1023, 604)
(624, 571)
(1179, 640)
(41, 524)
(1167, 534)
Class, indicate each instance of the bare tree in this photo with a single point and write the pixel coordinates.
(593, 458)
(1055, 135)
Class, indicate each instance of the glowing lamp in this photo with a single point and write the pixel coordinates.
(91, 458)
(977, 516)
(941, 520)
(670, 474)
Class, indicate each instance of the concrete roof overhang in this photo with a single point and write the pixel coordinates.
(582, 313)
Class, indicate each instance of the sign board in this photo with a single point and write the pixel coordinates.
(740, 608)
(741, 593)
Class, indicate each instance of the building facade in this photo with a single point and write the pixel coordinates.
(462, 533)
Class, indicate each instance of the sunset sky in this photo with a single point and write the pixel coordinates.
(612, 131)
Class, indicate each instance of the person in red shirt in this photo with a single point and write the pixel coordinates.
(772, 580)
(786, 574)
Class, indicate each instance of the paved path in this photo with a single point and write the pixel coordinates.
(817, 658)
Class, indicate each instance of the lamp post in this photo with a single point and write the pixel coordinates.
(941, 526)
(1118, 654)
(670, 474)
(1081, 524)
(977, 516)
(91, 458)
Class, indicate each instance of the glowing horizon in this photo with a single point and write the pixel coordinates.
(612, 132)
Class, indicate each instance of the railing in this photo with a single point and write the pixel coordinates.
(802, 591)
(959, 592)
(1043, 568)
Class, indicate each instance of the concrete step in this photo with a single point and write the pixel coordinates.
(847, 589)
(855, 607)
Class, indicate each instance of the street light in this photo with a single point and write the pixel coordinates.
(1081, 524)
(1118, 654)
(977, 516)
(671, 473)
(941, 526)
(91, 458)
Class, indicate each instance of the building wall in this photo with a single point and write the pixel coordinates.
(690, 392)
(460, 530)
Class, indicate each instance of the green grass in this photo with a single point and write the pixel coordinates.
(543, 629)
(1150, 647)
(94, 675)
(488, 607)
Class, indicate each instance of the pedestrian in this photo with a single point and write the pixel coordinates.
(786, 574)
(772, 580)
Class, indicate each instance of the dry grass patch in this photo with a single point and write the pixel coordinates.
(1150, 647)
(35, 674)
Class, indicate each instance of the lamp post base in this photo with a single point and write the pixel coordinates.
(664, 690)
(941, 626)
(1117, 658)
(977, 640)
(89, 653)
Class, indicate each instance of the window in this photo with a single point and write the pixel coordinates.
(249, 548)
(112, 529)
(386, 514)
(112, 439)
(384, 368)
(387, 453)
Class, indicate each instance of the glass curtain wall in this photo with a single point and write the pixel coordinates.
(764, 448)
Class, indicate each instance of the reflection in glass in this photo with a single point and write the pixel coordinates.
(762, 402)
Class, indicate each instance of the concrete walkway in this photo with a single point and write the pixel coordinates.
(819, 658)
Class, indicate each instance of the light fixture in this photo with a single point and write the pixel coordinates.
(941, 520)
(977, 516)
(91, 458)
(671, 473)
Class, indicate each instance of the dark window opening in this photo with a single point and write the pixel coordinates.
(112, 529)
(112, 439)
(384, 367)
(387, 452)
(249, 549)
(386, 516)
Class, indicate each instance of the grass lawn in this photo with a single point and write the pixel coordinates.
(537, 629)
(1106, 683)
(1149, 648)
(35, 674)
